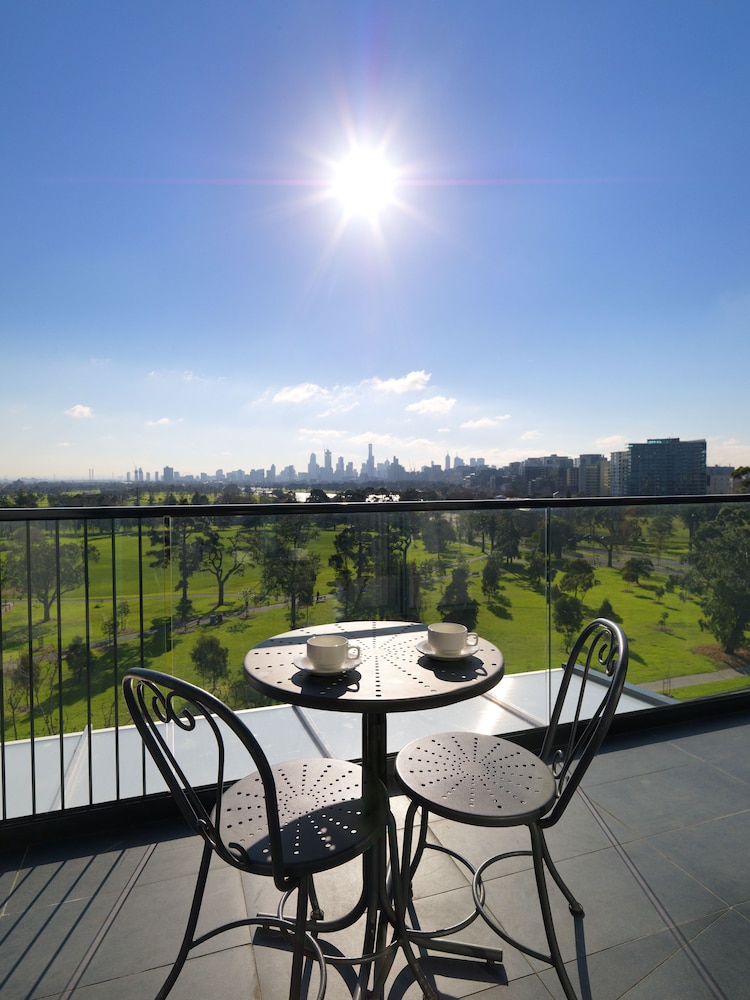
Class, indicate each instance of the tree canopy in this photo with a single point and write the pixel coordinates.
(721, 575)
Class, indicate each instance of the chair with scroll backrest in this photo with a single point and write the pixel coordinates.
(288, 821)
(493, 782)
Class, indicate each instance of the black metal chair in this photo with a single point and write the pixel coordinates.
(290, 821)
(493, 782)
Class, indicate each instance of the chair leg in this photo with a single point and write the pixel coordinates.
(400, 897)
(575, 907)
(300, 937)
(187, 940)
(539, 854)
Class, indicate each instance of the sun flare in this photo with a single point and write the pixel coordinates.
(364, 183)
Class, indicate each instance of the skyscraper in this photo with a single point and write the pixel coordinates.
(667, 467)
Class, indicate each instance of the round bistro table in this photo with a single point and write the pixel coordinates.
(391, 675)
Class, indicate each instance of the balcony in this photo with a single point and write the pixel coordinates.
(655, 847)
(657, 844)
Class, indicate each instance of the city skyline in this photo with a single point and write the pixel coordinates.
(681, 466)
(251, 231)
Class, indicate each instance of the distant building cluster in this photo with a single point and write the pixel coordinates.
(658, 467)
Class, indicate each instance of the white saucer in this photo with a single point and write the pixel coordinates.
(303, 663)
(462, 654)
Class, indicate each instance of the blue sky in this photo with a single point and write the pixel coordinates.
(563, 267)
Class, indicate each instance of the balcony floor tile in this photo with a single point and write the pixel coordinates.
(655, 848)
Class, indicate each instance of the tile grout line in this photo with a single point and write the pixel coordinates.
(680, 939)
(107, 923)
(15, 882)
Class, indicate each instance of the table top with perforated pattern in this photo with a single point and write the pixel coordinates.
(391, 675)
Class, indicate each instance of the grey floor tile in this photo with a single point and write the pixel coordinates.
(714, 853)
(611, 973)
(624, 898)
(151, 921)
(230, 974)
(716, 963)
(41, 949)
(667, 800)
(44, 880)
(630, 756)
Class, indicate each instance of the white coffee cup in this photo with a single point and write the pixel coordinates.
(330, 652)
(450, 637)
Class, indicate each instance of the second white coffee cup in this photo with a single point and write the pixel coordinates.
(330, 652)
(450, 637)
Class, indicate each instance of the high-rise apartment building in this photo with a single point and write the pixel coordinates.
(590, 474)
(667, 467)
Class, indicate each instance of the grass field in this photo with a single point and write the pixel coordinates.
(666, 641)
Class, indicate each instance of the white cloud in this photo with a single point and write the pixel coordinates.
(614, 442)
(79, 412)
(389, 442)
(435, 404)
(322, 433)
(728, 451)
(531, 435)
(64, 444)
(338, 410)
(479, 424)
(413, 382)
(299, 393)
(161, 422)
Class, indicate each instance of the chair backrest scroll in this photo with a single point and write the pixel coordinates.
(156, 700)
(598, 662)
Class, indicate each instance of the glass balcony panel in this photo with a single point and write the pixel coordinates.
(88, 594)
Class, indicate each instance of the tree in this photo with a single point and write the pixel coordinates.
(567, 614)
(468, 525)
(578, 577)
(51, 570)
(741, 477)
(223, 556)
(33, 679)
(77, 658)
(178, 542)
(211, 660)
(694, 516)
(660, 529)
(394, 589)
(536, 566)
(113, 623)
(619, 529)
(456, 604)
(437, 532)
(721, 575)
(635, 568)
(354, 564)
(491, 574)
(289, 567)
(507, 538)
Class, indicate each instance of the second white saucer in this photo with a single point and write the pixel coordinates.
(462, 654)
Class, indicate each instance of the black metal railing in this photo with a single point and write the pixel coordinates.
(86, 593)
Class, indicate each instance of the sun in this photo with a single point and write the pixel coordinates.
(364, 183)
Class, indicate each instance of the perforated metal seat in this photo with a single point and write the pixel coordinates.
(324, 820)
(489, 781)
(288, 822)
(479, 779)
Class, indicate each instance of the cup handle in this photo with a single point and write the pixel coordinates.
(352, 653)
(472, 639)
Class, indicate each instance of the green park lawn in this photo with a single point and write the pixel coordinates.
(664, 632)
